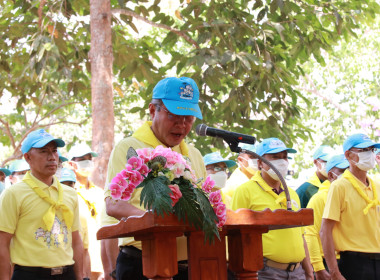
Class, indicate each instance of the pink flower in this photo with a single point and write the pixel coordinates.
(220, 210)
(136, 178)
(178, 169)
(116, 190)
(145, 154)
(126, 173)
(176, 193)
(144, 170)
(215, 197)
(135, 162)
(119, 180)
(208, 184)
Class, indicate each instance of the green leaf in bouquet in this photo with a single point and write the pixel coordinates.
(131, 153)
(155, 195)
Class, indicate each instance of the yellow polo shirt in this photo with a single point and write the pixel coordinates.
(353, 231)
(281, 245)
(21, 212)
(83, 231)
(117, 163)
(313, 240)
(236, 179)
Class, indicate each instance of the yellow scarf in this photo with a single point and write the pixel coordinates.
(90, 205)
(145, 134)
(355, 183)
(49, 216)
(261, 182)
(314, 180)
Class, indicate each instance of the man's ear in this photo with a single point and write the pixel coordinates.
(330, 176)
(152, 110)
(27, 157)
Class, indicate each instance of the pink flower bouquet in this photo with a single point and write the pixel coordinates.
(169, 185)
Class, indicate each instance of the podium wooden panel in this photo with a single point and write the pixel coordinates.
(243, 227)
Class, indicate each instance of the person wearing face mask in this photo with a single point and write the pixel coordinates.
(335, 167)
(217, 168)
(62, 159)
(311, 186)
(18, 168)
(284, 250)
(351, 218)
(80, 160)
(247, 167)
(4, 172)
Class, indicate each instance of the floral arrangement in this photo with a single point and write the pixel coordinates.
(169, 185)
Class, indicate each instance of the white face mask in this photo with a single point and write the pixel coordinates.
(252, 163)
(220, 179)
(85, 167)
(337, 176)
(18, 178)
(281, 165)
(322, 168)
(367, 160)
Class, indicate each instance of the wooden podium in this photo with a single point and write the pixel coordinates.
(244, 229)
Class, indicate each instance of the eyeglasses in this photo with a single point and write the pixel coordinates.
(177, 118)
(360, 150)
(217, 168)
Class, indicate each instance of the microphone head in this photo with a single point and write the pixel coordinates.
(201, 129)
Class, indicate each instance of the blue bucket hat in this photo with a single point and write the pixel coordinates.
(38, 139)
(62, 158)
(248, 147)
(179, 95)
(272, 146)
(215, 158)
(323, 152)
(6, 171)
(360, 141)
(338, 161)
(19, 165)
(67, 175)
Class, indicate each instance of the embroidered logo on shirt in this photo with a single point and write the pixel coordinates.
(56, 236)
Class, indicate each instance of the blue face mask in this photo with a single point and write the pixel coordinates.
(2, 187)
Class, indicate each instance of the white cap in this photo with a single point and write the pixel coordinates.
(79, 150)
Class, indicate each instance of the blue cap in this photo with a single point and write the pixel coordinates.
(323, 152)
(179, 95)
(6, 171)
(215, 158)
(360, 141)
(248, 147)
(272, 146)
(338, 161)
(38, 139)
(62, 158)
(19, 165)
(67, 175)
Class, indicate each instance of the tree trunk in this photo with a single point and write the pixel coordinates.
(101, 58)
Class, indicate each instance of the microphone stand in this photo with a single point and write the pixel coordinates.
(234, 147)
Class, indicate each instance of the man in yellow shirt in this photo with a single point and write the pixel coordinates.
(4, 172)
(284, 250)
(247, 167)
(351, 219)
(309, 188)
(217, 168)
(335, 166)
(173, 110)
(39, 219)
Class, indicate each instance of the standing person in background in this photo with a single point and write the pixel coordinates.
(309, 188)
(18, 167)
(80, 156)
(4, 172)
(39, 219)
(351, 219)
(217, 168)
(247, 167)
(335, 167)
(173, 110)
(67, 177)
(284, 250)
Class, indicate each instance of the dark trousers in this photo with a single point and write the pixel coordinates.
(20, 274)
(358, 266)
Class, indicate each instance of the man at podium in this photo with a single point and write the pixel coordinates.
(173, 110)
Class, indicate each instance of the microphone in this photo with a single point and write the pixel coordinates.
(203, 130)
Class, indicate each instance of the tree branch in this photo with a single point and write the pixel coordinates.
(57, 108)
(8, 132)
(159, 25)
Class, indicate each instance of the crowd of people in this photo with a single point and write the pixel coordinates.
(51, 211)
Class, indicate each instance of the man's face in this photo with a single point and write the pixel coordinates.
(84, 157)
(270, 157)
(69, 183)
(17, 176)
(216, 167)
(169, 129)
(43, 161)
(243, 159)
(334, 173)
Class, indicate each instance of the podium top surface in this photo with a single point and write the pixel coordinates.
(241, 218)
